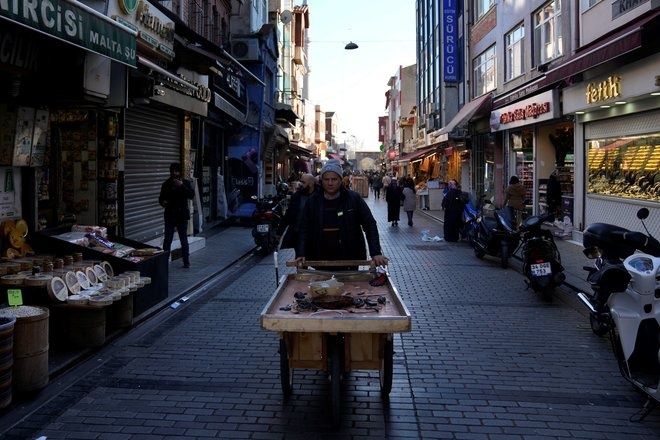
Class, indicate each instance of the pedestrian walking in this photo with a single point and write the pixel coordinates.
(378, 185)
(174, 195)
(453, 207)
(393, 199)
(336, 222)
(514, 199)
(409, 200)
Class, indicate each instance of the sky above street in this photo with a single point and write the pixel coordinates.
(353, 83)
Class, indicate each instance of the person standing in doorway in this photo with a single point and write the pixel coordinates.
(553, 196)
(174, 195)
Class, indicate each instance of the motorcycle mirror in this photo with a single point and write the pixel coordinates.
(643, 213)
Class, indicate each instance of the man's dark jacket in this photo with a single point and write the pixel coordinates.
(355, 218)
(292, 218)
(175, 200)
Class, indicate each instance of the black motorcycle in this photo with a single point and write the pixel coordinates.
(266, 217)
(540, 256)
(609, 245)
(495, 236)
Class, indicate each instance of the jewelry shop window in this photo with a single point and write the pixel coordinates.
(625, 167)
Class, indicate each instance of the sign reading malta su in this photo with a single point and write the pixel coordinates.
(74, 23)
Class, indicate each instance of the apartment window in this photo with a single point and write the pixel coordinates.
(514, 61)
(481, 7)
(484, 71)
(547, 33)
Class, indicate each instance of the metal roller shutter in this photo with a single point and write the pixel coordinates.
(629, 125)
(153, 142)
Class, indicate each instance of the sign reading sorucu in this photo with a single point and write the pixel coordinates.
(450, 46)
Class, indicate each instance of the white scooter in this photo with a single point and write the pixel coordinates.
(635, 321)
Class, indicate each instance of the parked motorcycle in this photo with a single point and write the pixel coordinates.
(469, 226)
(267, 216)
(634, 311)
(540, 256)
(609, 246)
(495, 236)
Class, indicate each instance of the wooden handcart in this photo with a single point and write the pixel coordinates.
(336, 340)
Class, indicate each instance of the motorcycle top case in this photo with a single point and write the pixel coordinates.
(613, 246)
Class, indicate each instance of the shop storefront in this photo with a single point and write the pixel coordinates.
(63, 88)
(536, 144)
(618, 140)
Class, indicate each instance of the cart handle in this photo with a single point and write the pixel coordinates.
(318, 263)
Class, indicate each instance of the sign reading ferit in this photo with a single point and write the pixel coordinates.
(449, 37)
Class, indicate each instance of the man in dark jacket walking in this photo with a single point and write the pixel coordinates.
(174, 195)
(293, 216)
(335, 223)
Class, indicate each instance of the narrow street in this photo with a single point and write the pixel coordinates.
(486, 359)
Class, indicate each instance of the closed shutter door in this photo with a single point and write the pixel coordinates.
(629, 125)
(153, 142)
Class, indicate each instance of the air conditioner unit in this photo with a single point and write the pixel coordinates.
(246, 49)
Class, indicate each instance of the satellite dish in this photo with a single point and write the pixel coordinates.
(286, 16)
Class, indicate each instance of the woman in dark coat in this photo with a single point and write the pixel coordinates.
(393, 199)
(453, 207)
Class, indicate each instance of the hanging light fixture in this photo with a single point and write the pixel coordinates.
(351, 46)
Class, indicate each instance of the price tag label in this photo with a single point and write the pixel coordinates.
(15, 297)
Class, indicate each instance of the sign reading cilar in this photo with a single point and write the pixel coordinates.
(73, 23)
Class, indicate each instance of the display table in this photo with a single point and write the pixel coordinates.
(155, 267)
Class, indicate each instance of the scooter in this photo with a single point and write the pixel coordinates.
(540, 256)
(609, 245)
(266, 217)
(495, 236)
(469, 226)
(634, 313)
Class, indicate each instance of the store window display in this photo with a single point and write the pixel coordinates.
(624, 167)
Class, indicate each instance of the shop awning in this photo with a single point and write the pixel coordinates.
(468, 111)
(417, 154)
(285, 112)
(606, 49)
(298, 149)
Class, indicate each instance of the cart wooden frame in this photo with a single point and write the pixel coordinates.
(336, 341)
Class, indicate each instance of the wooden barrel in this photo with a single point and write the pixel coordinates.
(30, 372)
(86, 327)
(6, 358)
(120, 313)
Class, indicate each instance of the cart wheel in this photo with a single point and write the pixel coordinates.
(386, 367)
(336, 361)
(286, 372)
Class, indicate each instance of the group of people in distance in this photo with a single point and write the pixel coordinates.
(328, 221)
